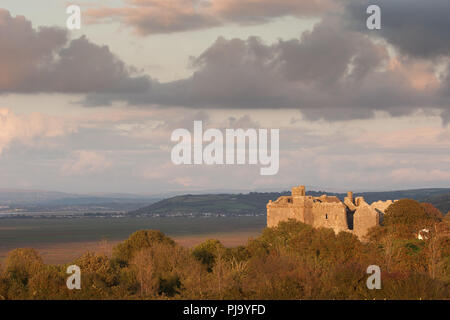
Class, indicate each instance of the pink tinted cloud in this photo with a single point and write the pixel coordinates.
(418, 137)
(86, 162)
(156, 16)
(26, 129)
(422, 175)
(167, 16)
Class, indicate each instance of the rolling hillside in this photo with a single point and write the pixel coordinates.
(227, 204)
(441, 201)
(254, 203)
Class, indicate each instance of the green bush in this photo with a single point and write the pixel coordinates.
(123, 252)
(208, 251)
(406, 217)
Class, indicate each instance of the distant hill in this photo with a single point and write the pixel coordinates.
(228, 204)
(254, 203)
(12, 196)
(440, 201)
(36, 201)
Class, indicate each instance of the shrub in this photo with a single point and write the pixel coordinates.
(123, 252)
(432, 212)
(208, 251)
(48, 283)
(406, 217)
(21, 264)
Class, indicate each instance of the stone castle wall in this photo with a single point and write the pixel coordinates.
(330, 215)
(365, 217)
(278, 211)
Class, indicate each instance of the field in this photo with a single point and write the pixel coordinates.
(62, 240)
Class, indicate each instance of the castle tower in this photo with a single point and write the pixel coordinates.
(365, 218)
(298, 191)
(350, 196)
(301, 204)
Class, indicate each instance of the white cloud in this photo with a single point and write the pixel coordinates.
(419, 175)
(86, 162)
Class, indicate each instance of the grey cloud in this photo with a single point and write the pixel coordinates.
(330, 72)
(86, 67)
(44, 60)
(416, 27)
(242, 122)
(325, 54)
(23, 48)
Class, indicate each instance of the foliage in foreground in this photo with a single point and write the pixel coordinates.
(291, 261)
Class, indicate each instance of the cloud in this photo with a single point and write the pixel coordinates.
(129, 148)
(416, 175)
(162, 16)
(330, 72)
(44, 60)
(23, 48)
(417, 138)
(157, 16)
(86, 162)
(257, 11)
(29, 129)
(416, 27)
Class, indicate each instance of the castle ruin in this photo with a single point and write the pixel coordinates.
(351, 215)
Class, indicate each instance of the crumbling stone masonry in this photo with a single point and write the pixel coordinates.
(351, 215)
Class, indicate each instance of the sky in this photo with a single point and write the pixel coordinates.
(93, 110)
